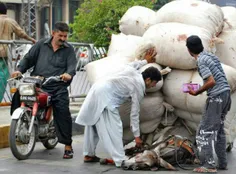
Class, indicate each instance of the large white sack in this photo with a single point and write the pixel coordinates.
(105, 67)
(192, 12)
(160, 83)
(151, 111)
(227, 51)
(230, 17)
(145, 128)
(175, 97)
(169, 40)
(137, 20)
(192, 125)
(190, 116)
(124, 45)
(151, 108)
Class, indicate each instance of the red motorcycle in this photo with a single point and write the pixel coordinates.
(33, 120)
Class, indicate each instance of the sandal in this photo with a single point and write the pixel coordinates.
(91, 159)
(68, 154)
(104, 161)
(204, 170)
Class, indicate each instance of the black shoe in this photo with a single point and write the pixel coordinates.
(222, 168)
(68, 154)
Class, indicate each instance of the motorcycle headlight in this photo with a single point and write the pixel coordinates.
(26, 89)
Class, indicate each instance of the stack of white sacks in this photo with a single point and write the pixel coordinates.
(167, 30)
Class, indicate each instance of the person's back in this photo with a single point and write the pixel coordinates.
(209, 63)
(8, 26)
(124, 84)
(114, 90)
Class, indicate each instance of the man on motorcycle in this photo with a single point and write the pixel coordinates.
(53, 57)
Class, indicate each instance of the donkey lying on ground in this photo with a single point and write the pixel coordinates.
(155, 156)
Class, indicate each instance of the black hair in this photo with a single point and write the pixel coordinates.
(3, 8)
(152, 73)
(194, 44)
(61, 26)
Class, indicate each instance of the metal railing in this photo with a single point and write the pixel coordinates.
(80, 85)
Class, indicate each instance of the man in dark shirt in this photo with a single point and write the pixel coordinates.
(54, 57)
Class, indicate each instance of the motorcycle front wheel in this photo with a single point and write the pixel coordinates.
(21, 143)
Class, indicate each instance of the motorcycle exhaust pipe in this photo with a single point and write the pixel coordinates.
(35, 109)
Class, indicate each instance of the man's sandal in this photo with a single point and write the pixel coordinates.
(204, 170)
(91, 159)
(104, 161)
(68, 154)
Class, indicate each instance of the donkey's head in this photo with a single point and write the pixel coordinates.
(145, 160)
(149, 159)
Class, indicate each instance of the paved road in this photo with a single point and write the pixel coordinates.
(50, 161)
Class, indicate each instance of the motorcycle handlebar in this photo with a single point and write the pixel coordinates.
(15, 78)
(46, 80)
(54, 78)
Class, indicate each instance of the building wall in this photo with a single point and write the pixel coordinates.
(224, 2)
(58, 10)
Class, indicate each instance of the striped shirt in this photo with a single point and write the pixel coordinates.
(208, 64)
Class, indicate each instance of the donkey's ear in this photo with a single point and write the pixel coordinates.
(166, 165)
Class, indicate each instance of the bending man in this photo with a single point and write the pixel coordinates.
(100, 115)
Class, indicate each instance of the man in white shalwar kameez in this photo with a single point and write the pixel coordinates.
(99, 112)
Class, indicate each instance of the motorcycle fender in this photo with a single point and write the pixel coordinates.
(17, 113)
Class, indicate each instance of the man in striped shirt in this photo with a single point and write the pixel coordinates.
(211, 129)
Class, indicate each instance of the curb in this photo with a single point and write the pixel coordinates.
(4, 132)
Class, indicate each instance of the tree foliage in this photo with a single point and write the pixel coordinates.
(97, 20)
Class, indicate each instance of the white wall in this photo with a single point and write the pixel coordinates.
(11, 14)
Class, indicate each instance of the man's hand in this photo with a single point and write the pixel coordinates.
(16, 74)
(192, 92)
(65, 77)
(33, 41)
(150, 55)
(138, 142)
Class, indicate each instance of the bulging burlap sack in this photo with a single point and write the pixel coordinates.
(137, 20)
(169, 40)
(230, 17)
(192, 12)
(227, 51)
(124, 45)
(151, 111)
